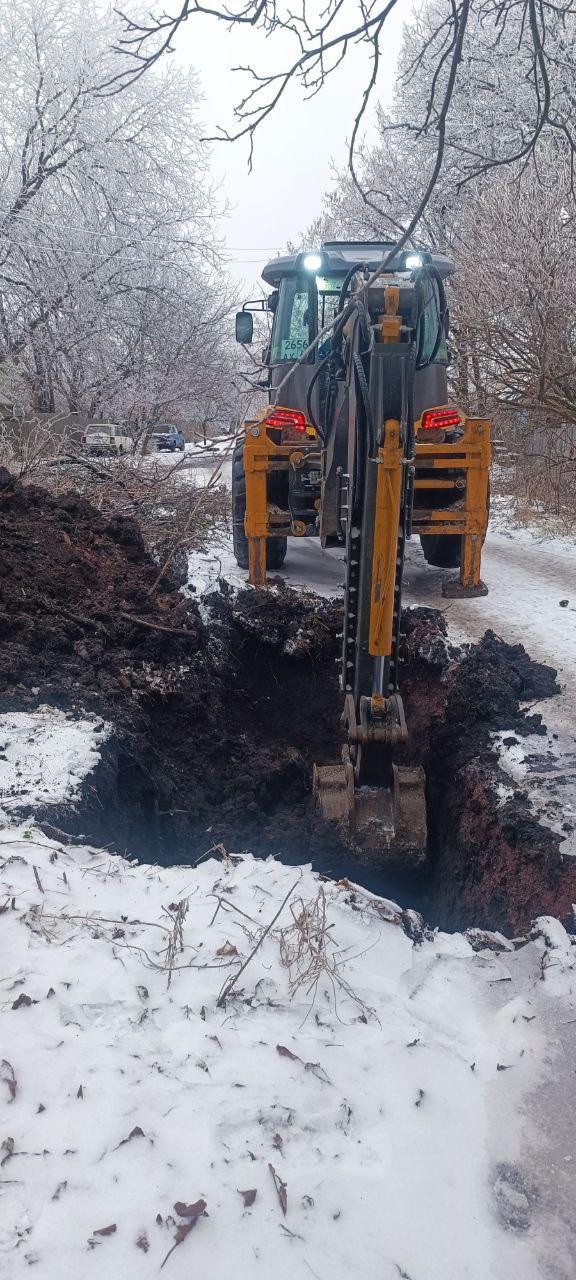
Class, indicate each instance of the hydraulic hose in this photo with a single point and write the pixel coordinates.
(416, 361)
(309, 410)
(336, 335)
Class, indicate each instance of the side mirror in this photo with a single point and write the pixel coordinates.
(244, 327)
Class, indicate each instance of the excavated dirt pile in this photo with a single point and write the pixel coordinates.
(217, 715)
(218, 712)
(493, 864)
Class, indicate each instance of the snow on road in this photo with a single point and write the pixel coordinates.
(531, 591)
(357, 1105)
(527, 578)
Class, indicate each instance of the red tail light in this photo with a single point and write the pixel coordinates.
(440, 419)
(287, 418)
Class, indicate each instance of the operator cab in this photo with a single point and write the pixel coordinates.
(306, 294)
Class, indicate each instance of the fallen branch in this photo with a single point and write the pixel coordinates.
(157, 626)
(194, 511)
(280, 1186)
(55, 833)
(80, 619)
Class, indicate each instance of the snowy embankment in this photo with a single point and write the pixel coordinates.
(238, 1069)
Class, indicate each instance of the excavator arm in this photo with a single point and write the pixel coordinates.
(369, 464)
(382, 804)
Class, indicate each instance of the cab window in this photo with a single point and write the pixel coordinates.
(431, 319)
(328, 299)
(291, 332)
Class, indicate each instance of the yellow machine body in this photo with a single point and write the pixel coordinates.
(462, 464)
(369, 477)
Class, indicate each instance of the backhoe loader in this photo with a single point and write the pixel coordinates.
(360, 447)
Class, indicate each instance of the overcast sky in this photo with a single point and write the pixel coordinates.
(296, 147)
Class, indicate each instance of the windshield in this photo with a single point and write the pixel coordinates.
(296, 321)
(291, 330)
(328, 299)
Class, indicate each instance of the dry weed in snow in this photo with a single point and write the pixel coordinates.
(308, 951)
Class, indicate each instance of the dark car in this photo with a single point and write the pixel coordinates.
(167, 436)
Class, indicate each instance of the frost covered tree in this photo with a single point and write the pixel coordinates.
(448, 40)
(484, 104)
(520, 288)
(112, 296)
(512, 231)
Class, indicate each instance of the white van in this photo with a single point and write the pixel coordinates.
(106, 438)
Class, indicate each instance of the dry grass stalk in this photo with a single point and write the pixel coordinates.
(229, 985)
(176, 912)
(307, 951)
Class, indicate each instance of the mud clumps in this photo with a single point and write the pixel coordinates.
(490, 684)
(219, 713)
(494, 865)
(78, 602)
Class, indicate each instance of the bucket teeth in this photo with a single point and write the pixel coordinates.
(410, 813)
(383, 823)
(333, 789)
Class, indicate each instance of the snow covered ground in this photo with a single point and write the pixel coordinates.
(45, 756)
(242, 1049)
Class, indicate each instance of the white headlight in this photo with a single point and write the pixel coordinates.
(413, 261)
(312, 262)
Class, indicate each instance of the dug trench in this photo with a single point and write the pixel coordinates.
(218, 709)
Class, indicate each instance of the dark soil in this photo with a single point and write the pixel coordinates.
(216, 725)
(493, 865)
(218, 716)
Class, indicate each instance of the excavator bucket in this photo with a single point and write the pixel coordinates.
(387, 823)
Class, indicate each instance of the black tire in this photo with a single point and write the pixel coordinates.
(441, 550)
(275, 547)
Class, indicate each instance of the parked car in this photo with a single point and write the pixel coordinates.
(106, 438)
(167, 436)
